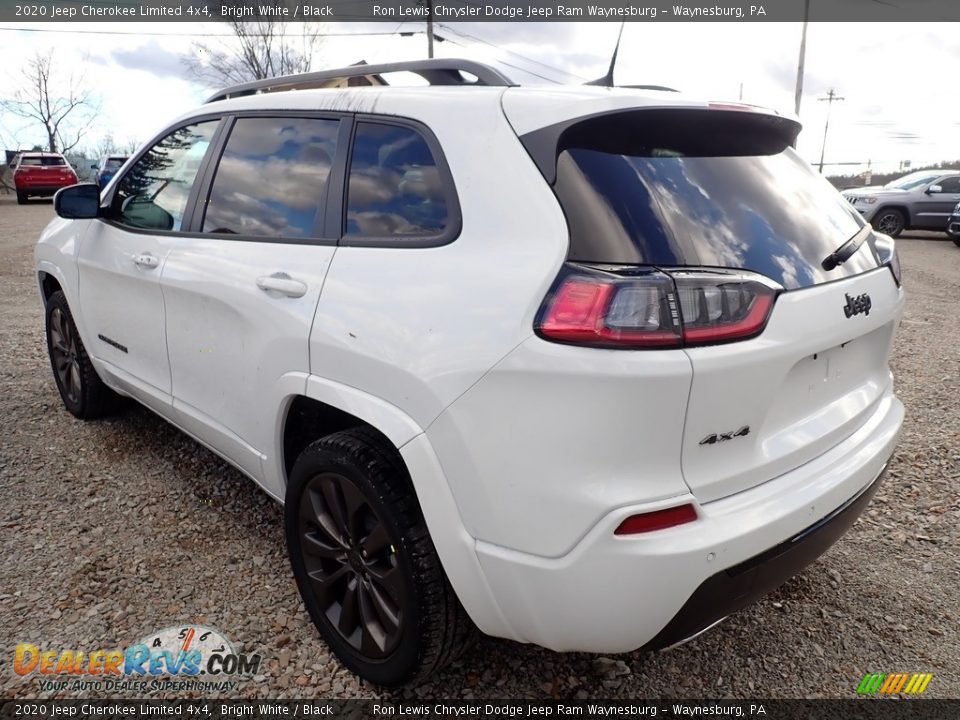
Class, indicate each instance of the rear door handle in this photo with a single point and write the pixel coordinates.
(148, 261)
(282, 284)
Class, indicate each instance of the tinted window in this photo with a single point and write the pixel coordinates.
(272, 178)
(767, 213)
(153, 193)
(49, 161)
(395, 186)
(950, 184)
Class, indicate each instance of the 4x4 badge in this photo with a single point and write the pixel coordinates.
(714, 438)
(857, 305)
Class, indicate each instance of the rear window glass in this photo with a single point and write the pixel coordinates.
(395, 185)
(653, 203)
(272, 178)
(40, 161)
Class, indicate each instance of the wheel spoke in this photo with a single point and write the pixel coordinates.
(315, 511)
(75, 381)
(373, 641)
(315, 546)
(349, 609)
(387, 611)
(332, 497)
(354, 505)
(388, 578)
(325, 583)
(376, 541)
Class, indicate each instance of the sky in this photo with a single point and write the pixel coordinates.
(900, 101)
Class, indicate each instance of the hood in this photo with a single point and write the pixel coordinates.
(874, 190)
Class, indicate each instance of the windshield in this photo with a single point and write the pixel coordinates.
(114, 163)
(914, 180)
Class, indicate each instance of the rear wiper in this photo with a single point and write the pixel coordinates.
(845, 251)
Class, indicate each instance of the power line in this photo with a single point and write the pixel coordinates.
(512, 52)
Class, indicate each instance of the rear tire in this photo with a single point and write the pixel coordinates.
(889, 221)
(364, 562)
(21, 198)
(81, 389)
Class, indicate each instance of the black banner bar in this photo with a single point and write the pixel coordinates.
(865, 709)
(479, 10)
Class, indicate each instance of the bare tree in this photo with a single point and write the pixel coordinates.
(131, 145)
(106, 146)
(65, 109)
(257, 50)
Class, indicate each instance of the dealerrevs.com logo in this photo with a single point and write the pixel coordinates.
(179, 658)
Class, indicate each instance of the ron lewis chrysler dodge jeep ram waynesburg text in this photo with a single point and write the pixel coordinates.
(585, 367)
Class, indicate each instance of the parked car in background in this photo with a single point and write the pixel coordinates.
(919, 201)
(107, 168)
(591, 367)
(953, 225)
(40, 174)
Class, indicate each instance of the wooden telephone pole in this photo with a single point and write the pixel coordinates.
(830, 99)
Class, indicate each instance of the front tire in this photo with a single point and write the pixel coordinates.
(21, 198)
(956, 241)
(890, 222)
(81, 389)
(364, 562)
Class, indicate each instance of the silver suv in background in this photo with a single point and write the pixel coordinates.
(919, 201)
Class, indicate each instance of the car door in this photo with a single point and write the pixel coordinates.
(934, 208)
(121, 258)
(241, 295)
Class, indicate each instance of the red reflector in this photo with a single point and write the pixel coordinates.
(657, 520)
(577, 310)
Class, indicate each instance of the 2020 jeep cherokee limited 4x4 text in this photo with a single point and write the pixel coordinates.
(584, 367)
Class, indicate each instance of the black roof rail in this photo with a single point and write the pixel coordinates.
(439, 71)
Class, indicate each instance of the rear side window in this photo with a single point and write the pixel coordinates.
(676, 191)
(396, 188)
(272, 179)
(153, 193)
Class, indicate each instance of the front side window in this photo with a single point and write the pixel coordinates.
(153, 193)
(950, 184)
(395, 186)
(272, 178)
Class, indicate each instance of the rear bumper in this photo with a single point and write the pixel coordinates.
(737, 587)
(618, 593)
(41, 189)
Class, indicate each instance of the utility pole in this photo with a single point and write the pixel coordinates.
(830, 99)
(803, 56)
(429, 28)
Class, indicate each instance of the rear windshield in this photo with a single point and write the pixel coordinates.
(651, 200)
(43, 161)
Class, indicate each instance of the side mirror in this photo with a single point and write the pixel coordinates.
(78, 202)
(934, 189)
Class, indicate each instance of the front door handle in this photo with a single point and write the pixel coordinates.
(281, 284)
(146, 260)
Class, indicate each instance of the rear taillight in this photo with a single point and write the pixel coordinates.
(650, 308)
(887, 251)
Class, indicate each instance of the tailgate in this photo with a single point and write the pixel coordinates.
(808, 382)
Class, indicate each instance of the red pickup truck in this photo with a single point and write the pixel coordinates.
(40, 174)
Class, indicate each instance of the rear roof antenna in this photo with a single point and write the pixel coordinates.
(607, 80)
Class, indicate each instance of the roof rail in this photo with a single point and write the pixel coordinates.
(443, 71)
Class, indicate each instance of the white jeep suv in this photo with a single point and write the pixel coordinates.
(584, 367)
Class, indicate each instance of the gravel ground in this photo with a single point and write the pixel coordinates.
(113, 529)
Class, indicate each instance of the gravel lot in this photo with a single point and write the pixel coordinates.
(113, 529)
